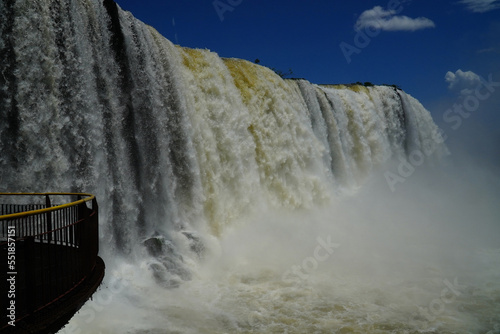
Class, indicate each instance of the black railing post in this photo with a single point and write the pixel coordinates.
(48, 218)
(83, 230)
(95, 222)
(83, 211)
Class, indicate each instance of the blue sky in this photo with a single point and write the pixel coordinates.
(411, 43)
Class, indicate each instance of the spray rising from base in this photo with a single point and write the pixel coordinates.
(423, 259)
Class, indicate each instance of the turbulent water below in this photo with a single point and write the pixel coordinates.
(233, 201)
(371, 262)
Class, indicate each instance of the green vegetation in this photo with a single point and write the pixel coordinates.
(393, 86)
(369, 84)
(287, 74)
(282, 74)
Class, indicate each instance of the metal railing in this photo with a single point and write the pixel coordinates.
(47, 250)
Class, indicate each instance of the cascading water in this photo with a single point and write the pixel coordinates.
(223, 189)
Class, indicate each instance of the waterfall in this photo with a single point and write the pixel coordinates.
(173, 138)
(180, 145)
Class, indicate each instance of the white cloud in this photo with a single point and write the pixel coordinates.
(481, 6)
(382, 19)
(463, 82)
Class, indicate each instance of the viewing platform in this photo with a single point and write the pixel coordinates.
(50, 262)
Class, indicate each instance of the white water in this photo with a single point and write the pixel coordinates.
(241, 177)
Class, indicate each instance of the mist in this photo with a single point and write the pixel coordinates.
(422, 258)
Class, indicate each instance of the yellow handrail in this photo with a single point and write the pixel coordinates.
(52, 208)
